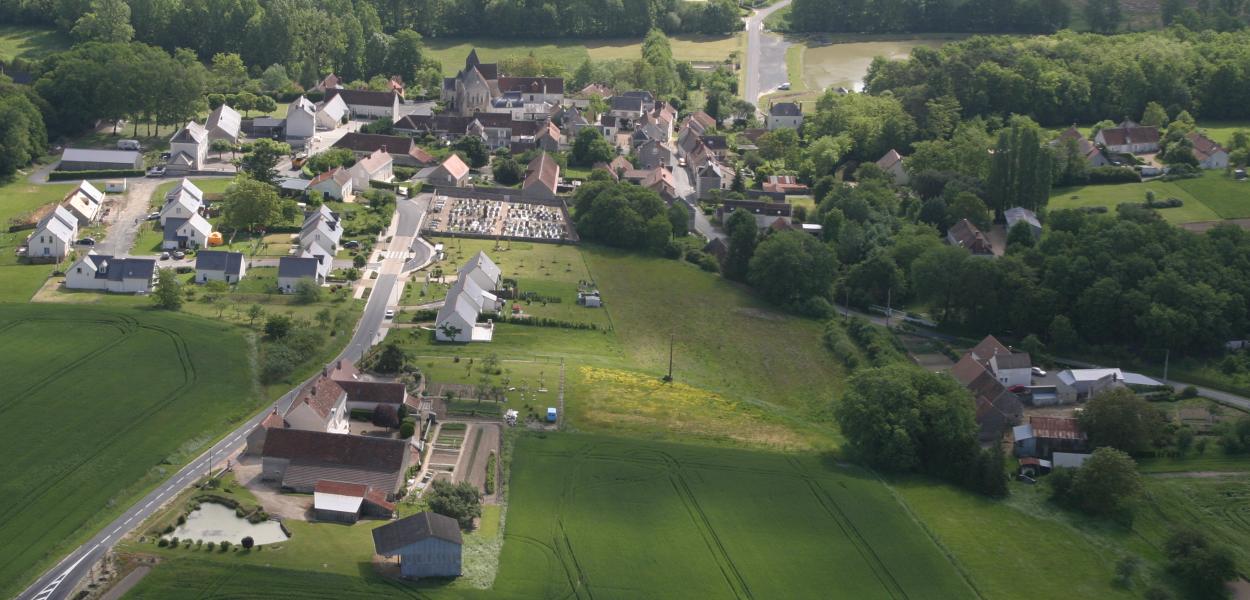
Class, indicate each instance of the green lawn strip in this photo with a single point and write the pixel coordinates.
(19, 41)
(1227, 197)
(108, 379)
(1113, 195)
(794, 67)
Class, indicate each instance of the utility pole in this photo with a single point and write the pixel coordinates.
(669, 377)
(889, 297)
(1167, 354)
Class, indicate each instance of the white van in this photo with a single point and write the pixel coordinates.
(128, 144)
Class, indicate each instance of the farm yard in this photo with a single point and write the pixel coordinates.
(132, 394)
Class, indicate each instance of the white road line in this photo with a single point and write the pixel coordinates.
(117, 529)
(148, 504)
(128, 520)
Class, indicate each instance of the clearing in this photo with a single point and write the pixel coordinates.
(100, 405)
(19, 41)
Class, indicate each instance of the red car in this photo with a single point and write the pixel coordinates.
(1016, 389)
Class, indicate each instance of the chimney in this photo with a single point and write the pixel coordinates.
(384, 148)
(313, 390)
(338, 364)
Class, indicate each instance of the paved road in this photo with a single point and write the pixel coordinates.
(766, 55)
(686, 191)
(58, 582)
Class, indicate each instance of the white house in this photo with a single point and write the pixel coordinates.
(785, 115)
(1012, 368)
(335, 183)
(293, 269)
(892, 164)
(84, 202)
(452, 173)
(301, 119)
(375, 167)
(106, 273)
(223, 124)
(180, 206)
(218, 265)
(1082, 384)
(321, 231)
(332, 113)
(1129, 138)
(367, 103)
(188, 149)
(320, 406)
(53, 236)
(467, 299)
(483, 271)
(191, 232)
(1210, 154)
(185, 186)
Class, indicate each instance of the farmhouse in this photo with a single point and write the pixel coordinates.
(1129, 138)
(53, 236)
(223, 124)
(332, 112)
(785, 184)
(785, 115)
(82, 159)
(1209, 154)
(428, 545)
(403, 150)
(1042, 436)
(292, 270)
(375, 167)
(84, 202)
(298, 459)
(452, 173)
(343, 502)
(218, 265)
(191, 232)
(765, 213)
(367, 103)
(1078, 385)
(966, 235)
(1018, 215)
(188, 148)
(1093, 156)
(320, 406)
(301, 119)
(335, 183)
(541, 177)
(996, 408)
(892, 164)
(106, 273)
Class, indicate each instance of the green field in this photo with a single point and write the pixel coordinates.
(588, 514)
(1217, 506)
(99, 406)
(572, 53)
(1222, 131)
(17, 41)
(1227, 197)
(1211, 197)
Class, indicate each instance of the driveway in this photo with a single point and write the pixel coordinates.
(766, 55)
(127, 216)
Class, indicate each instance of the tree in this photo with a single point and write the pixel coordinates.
(278, 326)
(221, 146)
(405, 54)
(106, 21)
(679, 218)
(590, 147)
(1062, 335)
(739, 183)
(473, 149)
(1155, 115)
(1202, 566)
(247, 543)
(1020, 235)
(622, 215)
(249, 204)
(274, 78)
(168, 292)
(307, 291)
(260, 162)
(460, 501)
(1179, 152)
(967, 205)
(391, 359)
(743, 236)
(1103, 16)
(254, 312)
(1121, 419)
(791, 266)
(1106, 485)
(507, 170)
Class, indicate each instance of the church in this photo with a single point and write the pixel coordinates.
(480, 88)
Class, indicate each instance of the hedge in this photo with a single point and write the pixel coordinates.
(545, 322)
(361, 414)
(1113, 175)
(99, 174)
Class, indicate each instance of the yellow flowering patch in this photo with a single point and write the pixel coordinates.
(611, 400)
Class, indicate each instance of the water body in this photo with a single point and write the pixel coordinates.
(845, 65)
(216, 523)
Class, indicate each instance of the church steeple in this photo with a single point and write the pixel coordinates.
(472, 60)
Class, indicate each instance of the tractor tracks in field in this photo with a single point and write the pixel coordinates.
(125, 325)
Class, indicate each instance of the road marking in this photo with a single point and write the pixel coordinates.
(149, 503)
(117, 529)
(128, 520)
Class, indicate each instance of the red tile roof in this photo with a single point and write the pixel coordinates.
(321, 395)
(340, 488)
(544, 171)
(1204, 146)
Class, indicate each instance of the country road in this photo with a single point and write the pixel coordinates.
(58, 582)
(766, 55)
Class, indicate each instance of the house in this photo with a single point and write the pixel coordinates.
(53, 237)
(1209, 154)
(1013, 368)
(224, 123)
(541, 177)
(712, 176)
(320, 406)
(765, 213)
(996, 408)
(428, 545)
(375, 167)
(966, 235)
(299, 458)
(185, 186)
(84, 202)
(367, 103)
(403, 149)
(219, 265)
(718, 145)
(191, 232)
(112, 274)
(83, 159)
(329, 82)
(1091, 153)
(452, 173)
(483, 271)
(321, 230)
(1129, 138)
(1040, 437)
(332, 112)
(785, 184)
(892, 164)
(660, 180)
(188, 148)
(1079, 385)
(617, 167)
(293, 269)
(335, 183)
(626, 108)
(344, 502)
(1018, 215)
(785, 115)
(256, 437)
(468, 298)
(655, 153)
(181, 204)
(301, 119)
(548, 137)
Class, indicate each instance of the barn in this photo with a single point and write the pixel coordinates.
(427, 544)
(83, 159)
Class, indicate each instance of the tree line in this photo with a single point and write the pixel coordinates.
(908, 16)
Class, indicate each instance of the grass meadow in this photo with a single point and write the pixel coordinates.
(451, 52)
(584, 518)
(17, 41)
(99, 406)
(1212, 197)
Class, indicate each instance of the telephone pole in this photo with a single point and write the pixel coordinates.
(669, 377)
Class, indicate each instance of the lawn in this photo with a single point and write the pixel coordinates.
(19, 281)
(1227, 197)
(1222, 131)
(101, 405)
(845, 64)
(208, 185)
(585, 514)
(18, 41)
(572, 53)
(1111, 196)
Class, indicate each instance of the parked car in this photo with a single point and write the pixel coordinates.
(128, 145)
(165, 156)
(156, 172)
(164, 256)
(154, 216)
(351, 244)
(179, 255)
(86, 241)
(390, 313)
(784, 86)
(1038, 372)
(1016, 389)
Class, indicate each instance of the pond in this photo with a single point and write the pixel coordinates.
(846, 65)
(217, 523)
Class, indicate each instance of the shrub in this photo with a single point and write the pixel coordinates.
(225, 546)
(406, 429)
(162, 542)
(361, 414)
(173, 542)
(545, 322)
(489, 486)
(211, 546)
(248, 542)
(1189, 392)
(96, 174)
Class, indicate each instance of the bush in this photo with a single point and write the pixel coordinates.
(248, 542)
(545, 322)
(1189, 392)
(211, 546)
(225, 546)
(407, 429)
(173, 542)
(1169, 203)
(489, 486)
(162, 542)
(361, 414)
(705, 261)
(836, 340)
(814, 306)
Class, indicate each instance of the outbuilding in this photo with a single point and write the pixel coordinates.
(427, 544)
(84, 159)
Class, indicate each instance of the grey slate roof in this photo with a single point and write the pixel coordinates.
(123, 268)
(1015, 360)
(785, 109)
(103, 156)
(410, 530)
(626, 103)
(219, 260)
(171, 228)
(290, 266)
